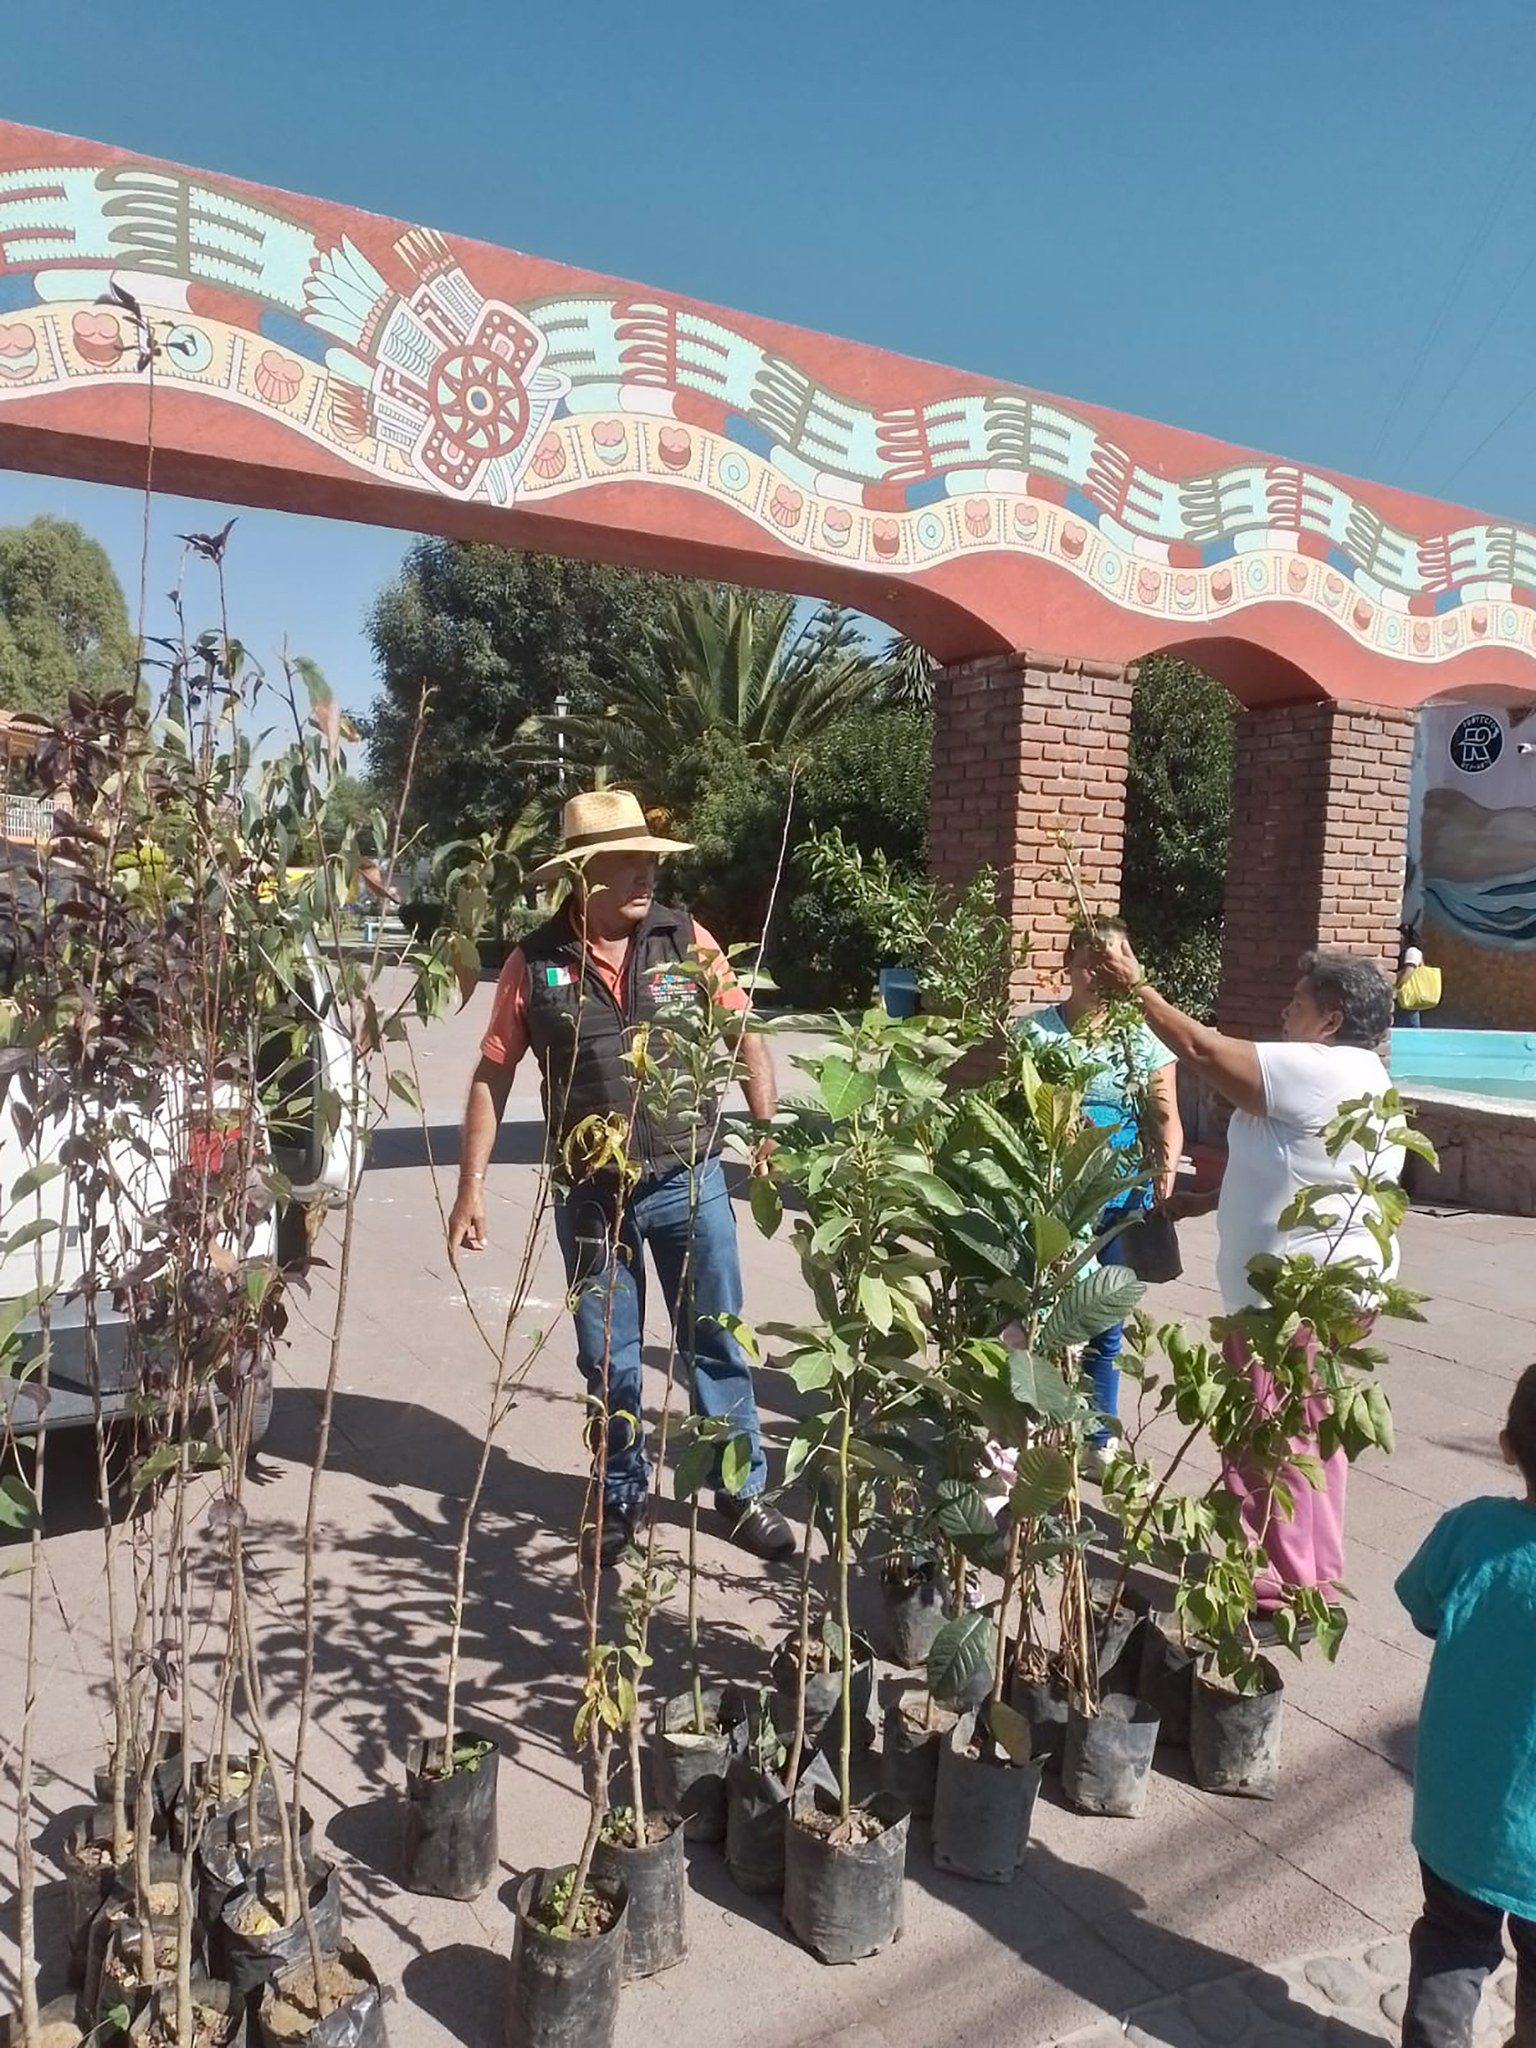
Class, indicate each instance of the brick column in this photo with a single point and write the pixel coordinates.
(1319, 839)
(1023, 744)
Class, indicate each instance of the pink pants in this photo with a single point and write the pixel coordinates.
(1306, 1548)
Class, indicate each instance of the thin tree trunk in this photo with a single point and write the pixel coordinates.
(845, 1748)
(802, 1647)
(597, 1814)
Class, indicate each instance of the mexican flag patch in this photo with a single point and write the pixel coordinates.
(557, 977)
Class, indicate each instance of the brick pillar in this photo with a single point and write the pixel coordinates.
(1023, 744)
(1319, 839)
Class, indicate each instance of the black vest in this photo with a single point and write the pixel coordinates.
(579, 1036)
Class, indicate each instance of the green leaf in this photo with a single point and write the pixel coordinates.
(767, 1204)
(830, 1232)
(743, 1333)
(875, 1300)
(962, 1650)
(736, 1464)
(960, 1510)
(1042, 1480)
(18, 1505)
(695, 1462)
(1052, 1238)
(34, 1178)
(936, 1193)
(404, 1085)
(985, 1241)
(812, 1369)
(879, 1459)
(13, 1311)
(845, 1089)
(162, 1459)
(29, 1233)
(1037, 1383)
(1010, 1731)
(1094, 1303)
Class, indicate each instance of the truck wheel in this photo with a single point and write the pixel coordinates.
(292, 1237)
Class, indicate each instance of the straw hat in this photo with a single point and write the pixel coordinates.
(604, 821)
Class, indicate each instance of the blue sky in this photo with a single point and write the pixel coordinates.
(1310, 228)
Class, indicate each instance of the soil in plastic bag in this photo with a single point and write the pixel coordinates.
(914, 1611)
(450, 1819)
(228, 1863)
(656, 1879)
(1045, 1704)
(1108, 1759)
(118, 1914)
(288, 2017)
(1165, 1683)
(843, 1901)
(909, 1751)
(1234, 1738)
(983, 1806)
(564, 1991)
(258, 1947)
(688, 1769)
(204, 1810)
(218, 2017)
(89, 1875)
(58, 2025)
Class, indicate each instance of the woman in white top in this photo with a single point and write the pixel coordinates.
(1284, 1096)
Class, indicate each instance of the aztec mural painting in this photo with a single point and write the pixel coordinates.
(1473, 861)
(319, 359)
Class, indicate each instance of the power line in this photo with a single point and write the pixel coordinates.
(1476, 350)
(1473, 250)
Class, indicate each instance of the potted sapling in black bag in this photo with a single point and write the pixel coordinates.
(988, 1780)
(568, 1939)
(450, 1843)
(696, 1732)
(640, 1849)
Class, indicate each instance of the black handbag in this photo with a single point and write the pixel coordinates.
(1149, 1246)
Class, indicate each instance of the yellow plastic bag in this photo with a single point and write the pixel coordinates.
(1419, 988)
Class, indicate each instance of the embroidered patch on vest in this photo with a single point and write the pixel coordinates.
(557, 977)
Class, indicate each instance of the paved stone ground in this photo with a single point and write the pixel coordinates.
(1317, 1999)
(1110, 1920)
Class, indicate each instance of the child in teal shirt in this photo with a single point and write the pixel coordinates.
(1472, 1587)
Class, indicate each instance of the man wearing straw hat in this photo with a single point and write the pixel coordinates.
(575, 992)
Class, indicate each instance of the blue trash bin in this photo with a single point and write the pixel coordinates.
(898, 991)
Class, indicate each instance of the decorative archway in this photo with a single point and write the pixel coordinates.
(313, 358)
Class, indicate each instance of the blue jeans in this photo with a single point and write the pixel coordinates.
(1408, 1020)
(1101, 1352)
(610, 1311)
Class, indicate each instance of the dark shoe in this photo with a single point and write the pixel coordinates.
(756, 1527)
(1266, 1632)
(619, 1525)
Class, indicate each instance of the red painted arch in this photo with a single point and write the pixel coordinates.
(313, 358)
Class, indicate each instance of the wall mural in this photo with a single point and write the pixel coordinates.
(1474, 860)
(418, 378)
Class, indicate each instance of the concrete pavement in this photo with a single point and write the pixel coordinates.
(1110, 1918)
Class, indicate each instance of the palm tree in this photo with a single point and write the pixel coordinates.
(723, 662)
(906, 672)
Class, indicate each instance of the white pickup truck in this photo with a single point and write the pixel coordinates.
(141, 1168)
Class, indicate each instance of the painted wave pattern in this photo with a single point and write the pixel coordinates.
(1500, 912)
(433, 382)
